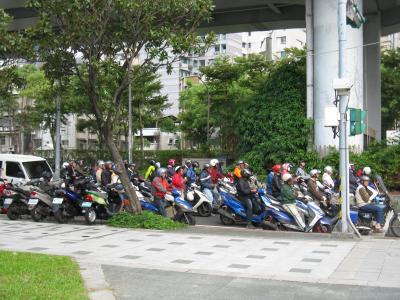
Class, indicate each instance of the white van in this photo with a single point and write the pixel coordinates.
(22, 168)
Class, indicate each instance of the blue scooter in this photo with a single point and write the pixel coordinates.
(314, 216)
(232, 211)
(182, 210)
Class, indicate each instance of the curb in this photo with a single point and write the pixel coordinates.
(95, 282)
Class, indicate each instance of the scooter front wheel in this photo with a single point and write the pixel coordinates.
(395, 225)
(205, 209)
(60, 215)
(187, 219)
(36, 214)
(90, 216)
(13, 212)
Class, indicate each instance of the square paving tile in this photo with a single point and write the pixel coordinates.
(176, 243)
(281, 243)
(321, 252)
(255, 256)
(131, 257)
(204, 253)
(85, 236)
(26, 232)
(155, 249)
(182, 261)
(269, 249)
(237, 266)
(195, 237)
(297, 270)
(154, 234)
(236, 240)
(311, 260)
(329, 245)
(110, 246)
(37, 249)
(221, 246)
(81, 252)
(134, 240)
(68, 242)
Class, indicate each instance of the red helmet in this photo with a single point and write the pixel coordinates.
(276, 168)
(171, 162)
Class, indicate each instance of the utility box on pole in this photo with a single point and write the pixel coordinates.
(357, 125)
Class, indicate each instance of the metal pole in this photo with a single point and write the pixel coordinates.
(343, 148)
(310, 58)
(58, 134)
(208, 115)
(130, 123)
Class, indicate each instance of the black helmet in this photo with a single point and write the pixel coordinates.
(152, 162)
(246, 173)
(195, 164)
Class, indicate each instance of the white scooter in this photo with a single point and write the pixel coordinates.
(201, 204)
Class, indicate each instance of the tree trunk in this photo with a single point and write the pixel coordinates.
(130, 191)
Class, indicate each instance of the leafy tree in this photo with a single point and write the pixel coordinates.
(272, 125)
(96, 39)
(390, 74)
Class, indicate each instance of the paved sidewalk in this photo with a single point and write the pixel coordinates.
(373, 262)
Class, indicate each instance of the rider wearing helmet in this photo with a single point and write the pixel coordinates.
(301, 170)
(190, 174)
(312, 186)
(178, 181)
(160, 188)
(207, 184)
(106, 174)
(286, 168)
(367, 171)
(364, 196)
(288, 199)
(327, 177)
(171, 168)
(150, 173)
(99, 170)
(353, 180)
(237, 171)
(245, 194)
(276, 182)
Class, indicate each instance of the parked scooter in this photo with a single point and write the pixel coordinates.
(201, 204)
(15, 202)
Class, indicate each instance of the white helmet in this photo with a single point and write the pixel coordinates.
(158, 165)
(314, 172)
(367, 171)
(100, 163)
(65, 165)
(213, 162)
(328, 169)
(286, 177)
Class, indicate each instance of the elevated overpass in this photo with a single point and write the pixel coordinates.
(319, 18)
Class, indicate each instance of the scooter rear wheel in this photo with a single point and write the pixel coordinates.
(13, 212)
(60, 215)
(187, 219)
(36, 213)
(90, 216)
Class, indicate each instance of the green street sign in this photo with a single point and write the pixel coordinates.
(357, 125)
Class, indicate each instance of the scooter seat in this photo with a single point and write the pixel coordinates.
(355, 208)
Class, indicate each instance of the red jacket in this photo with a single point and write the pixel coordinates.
(160, 187)
(178, 182)
(215, 175)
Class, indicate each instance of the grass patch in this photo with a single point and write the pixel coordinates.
(145, 220)
(37, 276)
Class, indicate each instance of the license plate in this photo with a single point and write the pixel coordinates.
(33, 201)
(8, 201)
(58, 200)
(86, 204)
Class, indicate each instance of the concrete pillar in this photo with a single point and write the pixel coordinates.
(372, 76)
(326, 70)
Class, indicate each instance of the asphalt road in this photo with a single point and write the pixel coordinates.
(133, 283)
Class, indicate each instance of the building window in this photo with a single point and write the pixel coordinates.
(216, 49)
(222, 36)
(223, 48)
(243, 45)
(249, 45)
(170, 141)
(2, 140)
(249, 33)
(283, 54)
(282, 40)
(64, 142)
(202, 62)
